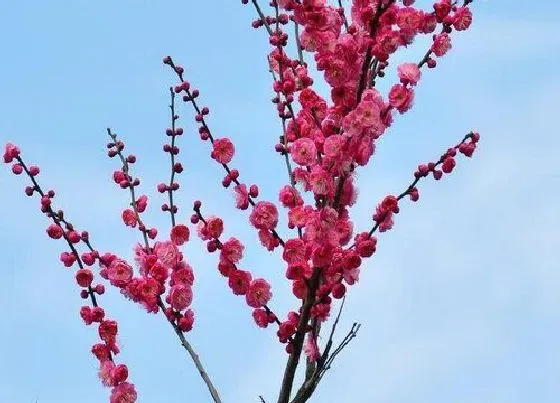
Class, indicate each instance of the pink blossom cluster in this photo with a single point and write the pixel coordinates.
(162, 268)
(112, 375)
(257, 291)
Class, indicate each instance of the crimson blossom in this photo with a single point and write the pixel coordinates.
(325, 140)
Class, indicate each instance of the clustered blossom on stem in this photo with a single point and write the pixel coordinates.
(112, 375)
(324, 141)
(257, 291)
(222, 152)
(162, 266)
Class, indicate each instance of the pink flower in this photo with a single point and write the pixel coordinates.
(183, 275)
(223, 150)
(334, 146)
(401, 98)
(180, 234)
(180, 296)
(142, 203)
(321, 312)
(239, 281)
(351, 276)
(294, 251)
(321, 181)
(290, 197)
(462, 19)
(123, 393)
(304, 151)
(129, 218)
(100, 351)
(187, 321)
(108, 331)
(106, 373)
(232, 250)
(409, 73)
(55, 231)
(261, 318)
(268, 240)
(264, 216)
(258, 294)
(211, 229)
(167, 253)
(241, 196)
(119, 273)
(365, 245)
(442, 43)
(11, 151)
(84, 277)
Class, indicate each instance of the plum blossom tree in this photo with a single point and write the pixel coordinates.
(324, 141)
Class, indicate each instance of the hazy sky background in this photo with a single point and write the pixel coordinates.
(461, 302)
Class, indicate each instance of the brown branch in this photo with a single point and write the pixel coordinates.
(194, 356)
(293, 360)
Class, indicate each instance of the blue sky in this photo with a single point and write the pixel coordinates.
(461, 302)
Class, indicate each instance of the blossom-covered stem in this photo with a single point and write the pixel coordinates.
(58, 220)
(293, 360)
(192, 99)
(367, 59)
(172, 208)
(112, 375)
(283, 139)
(194, 356)
(219, 245)
(262, 17)
(473, 136)
(125, 169)
(345, 20)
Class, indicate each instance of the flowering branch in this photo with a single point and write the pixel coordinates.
(184, 322)
(112, 375)
(324, 141)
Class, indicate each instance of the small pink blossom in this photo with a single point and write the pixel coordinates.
(290, 197)
(11, 151)
(258, 294)
(241, 197)
(261, 317)
(409, 73)
(119, 273)
(211, 229)
(232, 250)
(264, 216)
(223, 150)
(129, 218)
(442, 43)
(123, 393)
(180, 296)
(239, 281)
(462, 19)
(84, 277)
(180, 234)
(401, 98)
(304, 151)
(142, 203)
(167, 253)
(267, 239)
